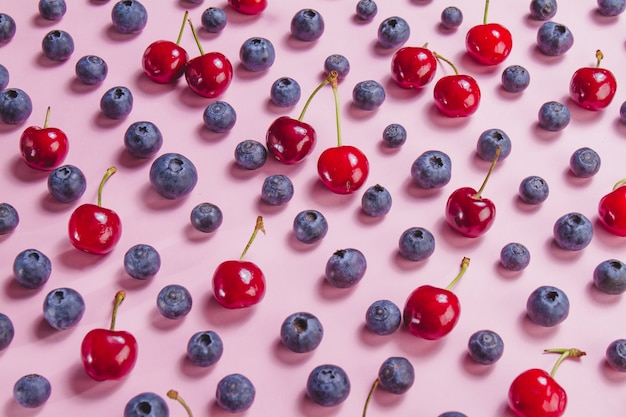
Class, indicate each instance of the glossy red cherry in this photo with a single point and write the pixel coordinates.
(251, 7)
(413, 67)
(431, 312)
(456, 95)
(164, 61)
(593, 88)
(109, 354)
(44, 148)
(612, 209)
(93, 228)
(488, 43)
(239, 283)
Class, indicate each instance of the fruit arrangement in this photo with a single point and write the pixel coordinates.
(344, 129)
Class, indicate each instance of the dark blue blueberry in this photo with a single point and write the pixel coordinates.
(32, 268)
(368, 95)
(63, 308)
(285, 92)
(204, 348)
(547, 306)
(52, 9)
(622, 112)
(383, 317)
(7, 331)
(432, 169)
(543, 9)
(328, 385)
(173, 175)
(573, 231)
(396, 375)
(610, 276)
(143, 139)
(366, 9)
(257, 54)
(416, 244)
(277, 190)
(533, 190)
(129, 16)
(584, 162)
(307, 25)
(616, 355)
(488, 143)
(250, 154)
(142, 261)
(219, 117)
(67, 183)
(117, 102)
(206, 217)
(174, 301)
(91, 69)
(452, 414)
(310, 226)
(393, 31)
(7, 28)
(32, 390)
(514, 256)
(554, 116)
(485, 347)
(515, 78)
(394, 135)
(235, 393)
(301, 332)
(214, 19)
(9, 218)
(15, 106)
(376, 201)
(4, 77)
(339, 63)
(58, 45)
(554, 39)
(451, 17)
(345, 268)
(146, 404)
(611, 7)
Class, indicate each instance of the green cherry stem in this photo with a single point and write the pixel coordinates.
(173, 394)
(565, 353)
(619, 184)
(493, 165)
(258, 226)
(45, 122)
(485, 12)
(107, 175)
(464, 264)
(369, 396)
(318, 88)
(447, 61)
(333, 82)
(182, 27)
(599, 58)
(195, 36)
(119, 297)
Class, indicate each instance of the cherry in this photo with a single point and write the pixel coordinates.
(109, 354)
(209, 74)
(93, 228)
(342, 169)
(535, 393)
(432, 312)
(44, 148)
(165, 61)
(488, 43)
(239, 283)
(413, 67)
(456, 95)
(593, 88)
(251, 7)
(612, 209)
(468, 212)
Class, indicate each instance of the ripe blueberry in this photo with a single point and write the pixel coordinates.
(339, 63)
(129, 16)
(515, 79)
(63, 308)
(547, 306)
(214, 19)
(117, 102)
(7, 28)
(301, 332)
(368, 95)
(7, 331)
(394, 135)
(310, 226)
(383, 317)
(307, 25)
(4, 77)
(250, 154)
(15, 106)
(32, 390)
(9, 218)
(57, 45)
(485, 347)
(616, 355)
(533, 190)
(257, 54)
(277, 190)
(366, 9)
(573, 231)
(451, 17)
(584, 162)
(328, 385)
(554, 116)
(611, 7)
(204, 348)
(543, 9)
(609, 276)
(376, 201)
(219, 116)
(396, 375)
(235, 393)
(32, 268)
(345, 268)
(91, 69)
(173, 175)
(206, 217)
(174, 301)
(285, 92)
(488, 143)
(554, 39)
(52, 9)
(67, 183)
(393, 31)
(143, 139)
(416, 244)
(431, 169)
(514, 256)
(142, 261)
(146, 404)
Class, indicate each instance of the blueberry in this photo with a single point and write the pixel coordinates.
(214, 19)
(219, 117)
(368, 95)
(146, 404)
(7, 331)
(393, 31)
(310, 226)
(515, 78)
(584, 162)
(4, 77)
(345, 268)
(573, 231)
(301, 332)
(204, 348)
(58, 45)
(257, 54)
(235, 393)
(396, 375)
(206, 217)
(543, 9)
(52, 9)
(416, 244)
(547, 306)
(67, 183)
(554, 116)
(174, 301)
(376, 201)
(173, 175)
(611, 7)
(488, 143)
(142, 261)
(250, 154)
(383, 317)
(616, 355)
(15, 106)
(32, 390)
(622, 112)
(366, 9)
(32, 268)
(610, 276)
(554, 39)
(339, 63)
(307, 25)
(7, 28)
(285, 92)
(328, 385)
(129, 16)
(514, 256)
(451, 17)
(91, 69)
(432, 169)
(485, 347)
(394, 135)
(143, 139)
(9, 218)
(63, 308)
(277, 190)
(117, 102)
(533, 190)
(452, 414)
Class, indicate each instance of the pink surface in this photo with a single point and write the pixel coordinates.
(491, 298)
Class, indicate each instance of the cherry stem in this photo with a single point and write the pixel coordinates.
(369, 396)
(619, 184)
(565, 353)
(107, 175)
(258, 226)
(333, 83)
(195, 36)
(599, 57)
(318, 88)
(485, 13)
(173, 394)
(45, 122)
(464, 264)
(447, 61)
(182, 27)
(493, 165)
(119, 297)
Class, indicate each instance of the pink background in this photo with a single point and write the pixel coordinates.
(491, 298)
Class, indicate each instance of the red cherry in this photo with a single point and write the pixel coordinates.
(413, 67)
(612, 209)
(456, 95)
(593, 88)
(431, 312)
(44, 148)
(489, 43)
(164, 61)
(109, 354)
(248, 6)
(93, 228)
(239, 283)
